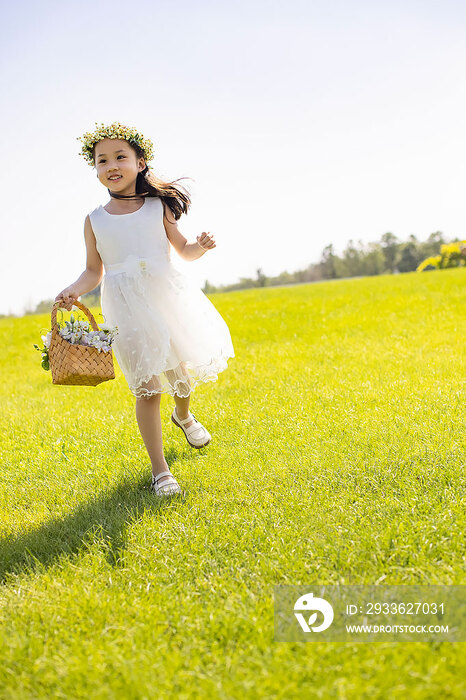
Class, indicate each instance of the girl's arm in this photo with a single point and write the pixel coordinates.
(91, 276)
(187, 251)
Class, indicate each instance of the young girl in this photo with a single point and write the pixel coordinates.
(170, 336)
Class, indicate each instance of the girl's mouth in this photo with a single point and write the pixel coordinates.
(115, 178)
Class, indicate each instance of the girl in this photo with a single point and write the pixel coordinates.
(170, 336)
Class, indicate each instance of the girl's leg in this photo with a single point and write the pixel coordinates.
(182, 408)
(182, 404)
(150, 426)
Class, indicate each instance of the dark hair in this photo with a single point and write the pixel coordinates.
(176, 197)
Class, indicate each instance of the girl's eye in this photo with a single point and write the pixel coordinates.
(103, 159)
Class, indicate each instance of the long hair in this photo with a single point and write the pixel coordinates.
(176, 197)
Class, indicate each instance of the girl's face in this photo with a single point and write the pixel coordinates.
(114, 158)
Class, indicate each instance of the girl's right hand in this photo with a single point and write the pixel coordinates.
(67, 297)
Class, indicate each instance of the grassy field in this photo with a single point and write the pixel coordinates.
(337, 456)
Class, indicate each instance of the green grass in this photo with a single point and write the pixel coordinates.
(338, 454)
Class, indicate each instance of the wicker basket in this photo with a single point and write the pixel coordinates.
(78, 364)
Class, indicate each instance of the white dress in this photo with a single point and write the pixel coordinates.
(170, 336)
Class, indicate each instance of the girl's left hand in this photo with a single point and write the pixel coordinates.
(206, 241)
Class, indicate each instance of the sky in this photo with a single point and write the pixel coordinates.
(297, 124)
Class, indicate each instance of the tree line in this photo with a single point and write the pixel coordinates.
(387, 256)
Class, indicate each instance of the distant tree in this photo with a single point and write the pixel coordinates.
(373, 262)
(261, 278)
(390, 247)
(409, 255)
(209, 288)
(353, 259)
(433, 243)
(327, 262)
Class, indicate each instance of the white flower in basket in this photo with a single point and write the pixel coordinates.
(80, 333)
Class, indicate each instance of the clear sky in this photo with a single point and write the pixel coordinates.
(300, 124)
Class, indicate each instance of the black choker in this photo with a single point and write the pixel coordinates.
(127, 196)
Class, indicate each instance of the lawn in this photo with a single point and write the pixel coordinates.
(337, 456)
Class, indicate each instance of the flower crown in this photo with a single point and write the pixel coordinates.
(114, 131)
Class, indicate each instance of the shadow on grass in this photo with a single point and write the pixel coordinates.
(104, 520)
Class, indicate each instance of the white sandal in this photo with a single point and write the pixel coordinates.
(169, 487)
(196, 435)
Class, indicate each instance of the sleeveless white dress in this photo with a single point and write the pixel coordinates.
(170, 336)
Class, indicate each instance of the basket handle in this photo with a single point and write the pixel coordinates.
(82, 306)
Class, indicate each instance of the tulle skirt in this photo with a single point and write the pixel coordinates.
(170, 336)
